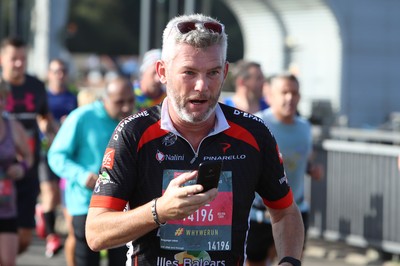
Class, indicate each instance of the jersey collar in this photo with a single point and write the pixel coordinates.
(221, 123)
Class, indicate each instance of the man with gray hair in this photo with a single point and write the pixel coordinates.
(151, 163)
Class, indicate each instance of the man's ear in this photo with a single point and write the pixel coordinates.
(226, 69)
(161, 71)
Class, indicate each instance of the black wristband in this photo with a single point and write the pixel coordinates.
(291, 260)
(155, 214)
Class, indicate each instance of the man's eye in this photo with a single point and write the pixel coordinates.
(214, 73)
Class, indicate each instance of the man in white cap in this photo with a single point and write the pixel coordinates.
(149, 90)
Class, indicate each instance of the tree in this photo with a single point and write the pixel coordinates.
(112, 27)
(103, 27)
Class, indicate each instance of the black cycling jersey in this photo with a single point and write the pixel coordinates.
(141, 159)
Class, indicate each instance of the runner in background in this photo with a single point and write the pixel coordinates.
(61, 102)
(27, 103)
(148, 89)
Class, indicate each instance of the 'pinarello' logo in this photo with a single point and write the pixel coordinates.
(108, 159)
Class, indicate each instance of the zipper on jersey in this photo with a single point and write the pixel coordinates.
(194, 158)
(196, 153)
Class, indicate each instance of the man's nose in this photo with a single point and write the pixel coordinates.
(18, 63)
(201, 83)
(127, 106)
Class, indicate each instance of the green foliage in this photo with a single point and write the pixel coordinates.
(112, 27)
(103, 27)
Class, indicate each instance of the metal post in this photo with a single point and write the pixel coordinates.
(160, 22)
(145, 15)
(206, 7)
(173, 8)
(190, 6)
(39, 55)
(2, 28)
(13, 26)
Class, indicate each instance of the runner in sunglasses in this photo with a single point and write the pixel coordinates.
(150, 166)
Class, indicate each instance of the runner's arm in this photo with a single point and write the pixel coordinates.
(176, 203)
(288, 231)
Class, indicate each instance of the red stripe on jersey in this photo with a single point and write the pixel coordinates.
(282, 203)
(241, 133)
(152, 132)
(107, 202)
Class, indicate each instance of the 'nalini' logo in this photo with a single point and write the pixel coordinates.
(160, 156)
(108, 159)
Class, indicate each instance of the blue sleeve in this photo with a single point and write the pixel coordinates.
(228, 101)
(63, 151)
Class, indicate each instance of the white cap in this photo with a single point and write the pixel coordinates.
(149, 59)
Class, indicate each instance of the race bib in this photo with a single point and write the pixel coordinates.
(207, 229)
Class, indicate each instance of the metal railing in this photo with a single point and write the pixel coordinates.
(358, 200)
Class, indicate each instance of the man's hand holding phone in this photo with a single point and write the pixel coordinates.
(208, 174)
(180, 201)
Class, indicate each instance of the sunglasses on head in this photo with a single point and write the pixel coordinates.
(188, 26)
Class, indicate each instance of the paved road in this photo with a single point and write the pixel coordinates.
(35, 256)
(318, 253)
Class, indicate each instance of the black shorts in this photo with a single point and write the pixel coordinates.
(260, 239)
(45, 172)
(84, 255)
(8, 225)
(27, 193)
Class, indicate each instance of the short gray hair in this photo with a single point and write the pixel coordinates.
(199, 38)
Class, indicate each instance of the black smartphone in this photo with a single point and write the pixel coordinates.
(208, 174)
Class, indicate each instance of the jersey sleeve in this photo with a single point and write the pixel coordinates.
(273, 186)
(117, 172)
